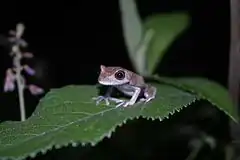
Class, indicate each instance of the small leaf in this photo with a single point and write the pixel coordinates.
(69, 116)
(166, 28)
(206, 89)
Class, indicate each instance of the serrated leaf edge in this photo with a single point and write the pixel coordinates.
(198, 94)
(100, 138)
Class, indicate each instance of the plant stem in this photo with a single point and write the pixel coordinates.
(20, 82)
(195, 152)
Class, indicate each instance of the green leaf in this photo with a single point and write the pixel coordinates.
(136, 43)
(206, 89)
(166, 28)
(69, 116)
(132, 27)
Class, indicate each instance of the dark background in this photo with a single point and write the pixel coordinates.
(70, 39)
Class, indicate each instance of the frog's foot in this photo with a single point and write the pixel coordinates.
(106, 99)
(124, 104)
(146, 100)
(101, 98)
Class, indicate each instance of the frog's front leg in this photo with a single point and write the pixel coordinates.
(133, 99)
(107, 97)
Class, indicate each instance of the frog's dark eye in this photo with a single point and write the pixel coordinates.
(120, 75)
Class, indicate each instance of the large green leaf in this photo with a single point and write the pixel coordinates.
(166, 28)
(206, 89)
(69, 116)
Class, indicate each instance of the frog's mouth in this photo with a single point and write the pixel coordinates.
(112, 83)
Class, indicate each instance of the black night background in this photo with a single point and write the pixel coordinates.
(71, 39)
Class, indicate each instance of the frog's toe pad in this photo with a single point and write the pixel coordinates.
(101, 98)
(146, 100)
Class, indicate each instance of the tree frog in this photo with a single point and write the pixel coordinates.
(127, 82)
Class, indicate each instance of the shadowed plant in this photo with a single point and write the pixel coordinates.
(14, 74)
(69, 116)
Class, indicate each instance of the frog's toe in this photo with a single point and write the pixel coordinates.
(142, 99)
(146, 100)
(116, 100)
(149, 99)
(107, 102)
(124, 104)
(120, 104)
(99, 99)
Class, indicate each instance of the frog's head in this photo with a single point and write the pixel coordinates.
(113, 76)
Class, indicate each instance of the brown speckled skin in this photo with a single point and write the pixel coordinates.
(107, 71)
(133, 79)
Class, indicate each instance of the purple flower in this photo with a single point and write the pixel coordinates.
(9, 81)
(9, 86)
(35, 90)
(29, 70)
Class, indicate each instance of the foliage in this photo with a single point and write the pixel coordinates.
(147, 41)
(206, 89)
(68, 115)
(14, 74)
(165, 27)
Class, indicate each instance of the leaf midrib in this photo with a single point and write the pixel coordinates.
(66, 125)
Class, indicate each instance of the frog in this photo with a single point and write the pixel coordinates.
(129, 83)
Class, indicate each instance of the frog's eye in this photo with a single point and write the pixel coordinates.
(120, 75)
